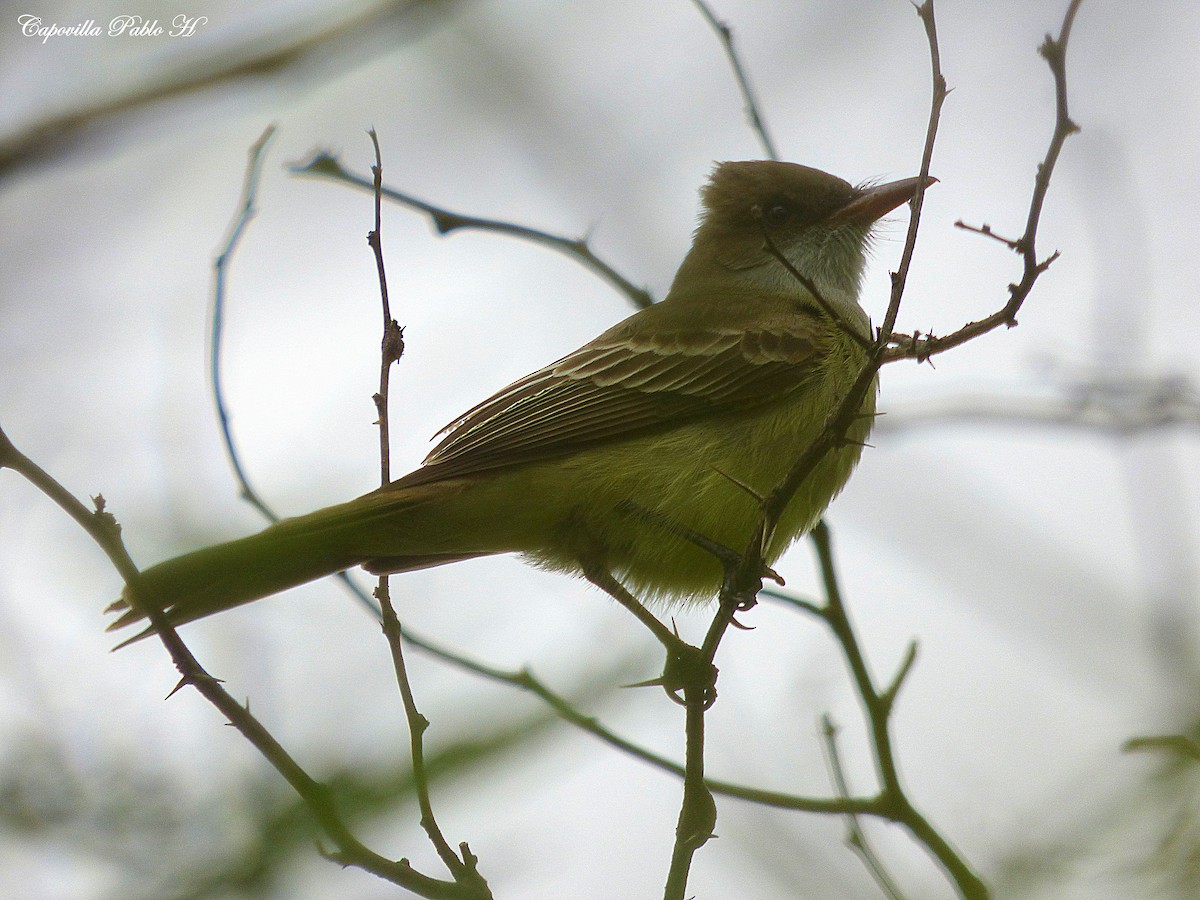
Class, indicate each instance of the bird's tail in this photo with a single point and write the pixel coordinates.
(289, 553)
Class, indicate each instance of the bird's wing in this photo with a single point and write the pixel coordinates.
(621, 386)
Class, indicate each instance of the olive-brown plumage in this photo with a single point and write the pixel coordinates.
(673, 411)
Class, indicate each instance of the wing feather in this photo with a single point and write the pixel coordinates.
(623, 385)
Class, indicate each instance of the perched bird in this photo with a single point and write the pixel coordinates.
(667, 423)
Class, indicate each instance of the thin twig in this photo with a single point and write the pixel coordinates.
(1181, 745)
(604, 579)
(879, 708)
(833, 433)
(392, 344)
(938, 97)
(237, 228)
(246, 211)
(855, 837)
(753, 113)
(986, 230)
(920, 348)
(326, 165)
(464, 869)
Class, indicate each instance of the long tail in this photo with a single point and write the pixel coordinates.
(217, 578)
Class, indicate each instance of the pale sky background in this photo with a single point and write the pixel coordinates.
(1048, 569)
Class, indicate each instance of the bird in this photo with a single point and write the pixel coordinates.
(610, 461)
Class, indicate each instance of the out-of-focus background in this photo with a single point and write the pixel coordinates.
(1028, 512)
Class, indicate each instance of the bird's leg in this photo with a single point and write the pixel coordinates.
(724, 555)
(731, 561)
(686, 669)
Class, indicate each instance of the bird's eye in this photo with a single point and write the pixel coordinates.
(777, 214)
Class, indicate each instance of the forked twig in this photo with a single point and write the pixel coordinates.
(922, 347)
(856, 837)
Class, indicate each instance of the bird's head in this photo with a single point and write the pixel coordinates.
(819, 222)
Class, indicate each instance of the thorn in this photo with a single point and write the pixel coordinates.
(738, 625)
(657, 681)
(183, 682)
(755, 495)
(673, 693)
(133, 640)
(848, 442)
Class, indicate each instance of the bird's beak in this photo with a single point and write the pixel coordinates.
(874, 202)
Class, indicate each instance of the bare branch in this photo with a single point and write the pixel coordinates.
(325, 165)
(986, 230)
(1179, 744)
(856, 837)
(464, 869)
(1054, 51)
(237, 228)
(895, 803)
(246, 211)
(937, 98)
(753, 113)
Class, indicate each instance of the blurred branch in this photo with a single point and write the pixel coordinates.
(346, 44)
(1121, 407)
(856, 837)
(879, 706)
(1179, 744)
(237, 229)
(757, 122)
(325, 165)
(246, 211)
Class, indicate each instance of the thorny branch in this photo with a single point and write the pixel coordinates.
(697, 813)
(102, 527)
